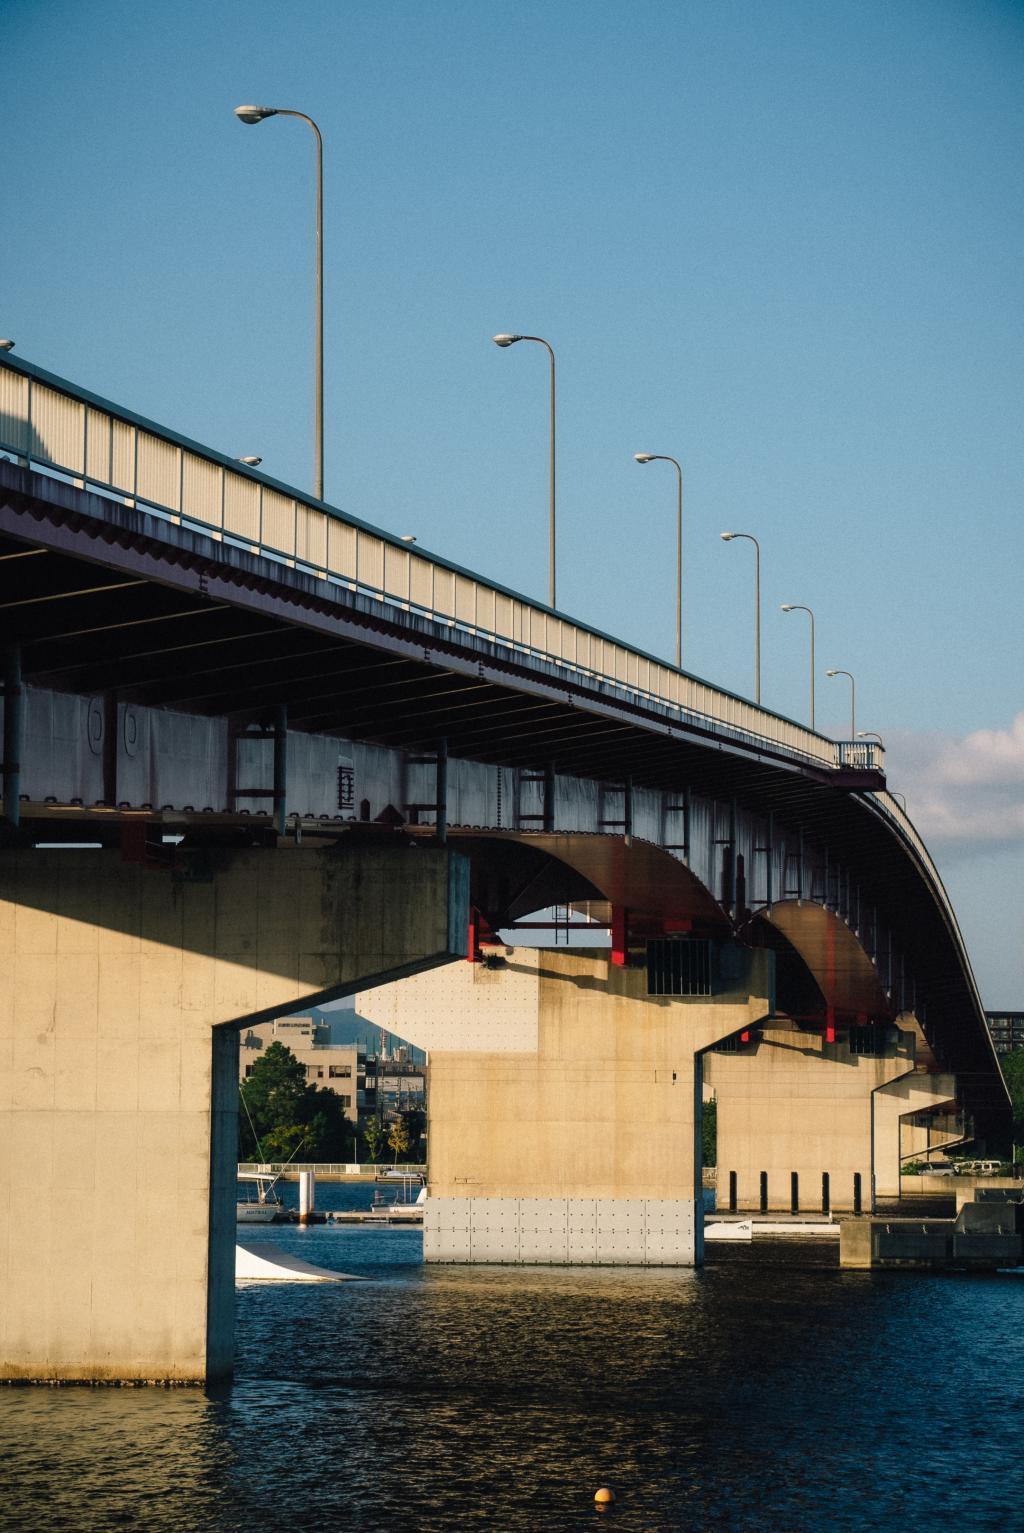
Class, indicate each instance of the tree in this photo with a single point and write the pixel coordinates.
(709, 1134)
(373, 1135)
(273, 1098)
(415, 1120)
(279, 1111)
(1013, 1074)
(398, 1138)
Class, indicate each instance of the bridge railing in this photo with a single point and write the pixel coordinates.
(49, 423)
(860, 755)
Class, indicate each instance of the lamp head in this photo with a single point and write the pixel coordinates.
(408, 537)
(644, 457)
(831, 673)
(787, 606)
(506, 340)
(6, 345)
(254, 113)
(727, 537)
(251, 462)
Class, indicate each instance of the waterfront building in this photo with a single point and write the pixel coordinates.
(1007, 1029)
(340, 1068)
(389, 1082)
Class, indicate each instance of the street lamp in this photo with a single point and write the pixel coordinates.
(728, 537)
(510, 340)
(6, 345)
(869, 734)
(661, 457)
(853, 700)
(255, 114)
(791, 606)
(250, 462)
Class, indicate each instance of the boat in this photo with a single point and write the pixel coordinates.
(265, 1207)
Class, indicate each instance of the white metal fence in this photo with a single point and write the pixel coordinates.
(47, 422)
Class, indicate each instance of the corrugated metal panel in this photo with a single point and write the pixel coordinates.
(370, 561)
(58, 429)
(159, 472)
(396, 572)
(485, 608)
(14, 432)
(503, 616)
(97, 455)
(242, 507)
(310, 535)
(122, 459)
(278, 522)
(341, 548)
(421, 584)
(465, 600)
(202, 494)
(444, 592)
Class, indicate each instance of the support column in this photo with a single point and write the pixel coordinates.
(791, 1102)
(121, 992)
(563, 1105)
(914, 1093)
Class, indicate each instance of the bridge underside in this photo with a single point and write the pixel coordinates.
(142, 613)
(165, 688)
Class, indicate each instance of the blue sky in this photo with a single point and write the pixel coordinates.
(780, 242)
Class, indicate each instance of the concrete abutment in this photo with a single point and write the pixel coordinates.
(121, 988)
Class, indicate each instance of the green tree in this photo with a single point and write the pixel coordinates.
(282, 1141)
(1013, 1073)
(415, 1120)
(273, 1097)
(373, 1135)
(398, 1138)
(280, 1111)
(709, 1134)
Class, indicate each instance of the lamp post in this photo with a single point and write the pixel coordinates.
(728, 537)
(790, 606)
(869, 734)
(853, 700)
(510, 340)
(252, 115)
(661, 457)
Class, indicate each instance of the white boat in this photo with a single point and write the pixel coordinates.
(265, 1207)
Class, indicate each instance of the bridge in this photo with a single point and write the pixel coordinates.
(258, 754)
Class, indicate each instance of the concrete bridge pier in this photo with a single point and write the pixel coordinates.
(921, 1091)
(564, 1111)
(809, 1123)
(122, 987)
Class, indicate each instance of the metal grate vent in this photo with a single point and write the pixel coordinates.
(678, 966)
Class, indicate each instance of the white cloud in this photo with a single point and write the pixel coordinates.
(963, 793)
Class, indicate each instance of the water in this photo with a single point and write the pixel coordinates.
(768, 1392)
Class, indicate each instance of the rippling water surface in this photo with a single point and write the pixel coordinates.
(777, 1395)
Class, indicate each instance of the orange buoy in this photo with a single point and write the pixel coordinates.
(604, 1497)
